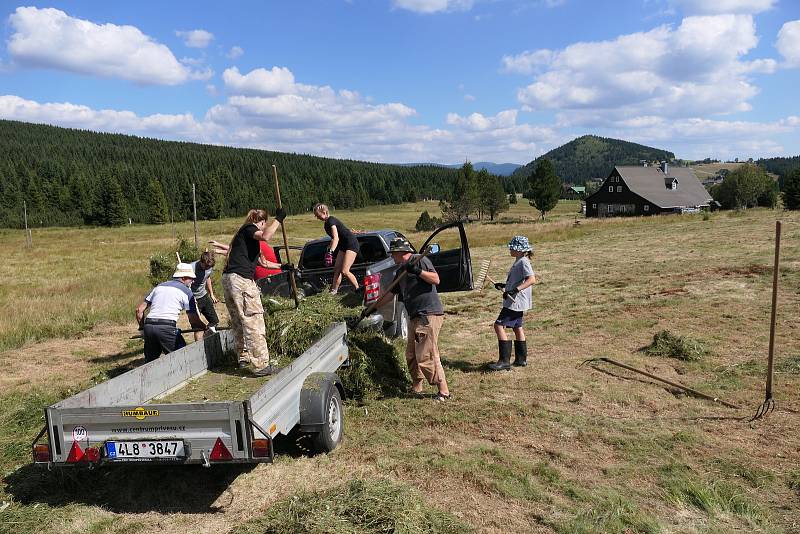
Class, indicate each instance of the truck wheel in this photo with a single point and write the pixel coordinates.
(401, 322)
(328, 438)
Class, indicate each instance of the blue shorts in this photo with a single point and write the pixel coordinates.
(509, 318)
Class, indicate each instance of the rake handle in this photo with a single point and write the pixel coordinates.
(768, 393)
(372, 307)
(292, 281)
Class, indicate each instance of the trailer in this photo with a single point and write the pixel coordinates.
(121, 420)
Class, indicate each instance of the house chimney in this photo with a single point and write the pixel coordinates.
(664, 168)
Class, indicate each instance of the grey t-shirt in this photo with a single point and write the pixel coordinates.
(419, 297)
(519, 272)
(199, 284)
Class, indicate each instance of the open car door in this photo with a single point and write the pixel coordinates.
(454, 265)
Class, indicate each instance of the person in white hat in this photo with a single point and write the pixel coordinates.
(166, 301)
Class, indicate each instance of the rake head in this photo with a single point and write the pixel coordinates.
(483, 272)
(766, 407)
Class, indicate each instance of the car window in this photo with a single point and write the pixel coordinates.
(371, 250)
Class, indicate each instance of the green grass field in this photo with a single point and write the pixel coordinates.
(555, 447)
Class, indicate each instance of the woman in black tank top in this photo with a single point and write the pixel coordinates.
(344, 246)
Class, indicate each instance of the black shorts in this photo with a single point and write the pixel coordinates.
(205, 306)
(352, 245)
(509, 318)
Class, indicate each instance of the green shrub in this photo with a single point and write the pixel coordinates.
(426, 223)
(162, 264)
(669, 345)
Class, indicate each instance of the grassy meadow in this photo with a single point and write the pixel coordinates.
(554, 447)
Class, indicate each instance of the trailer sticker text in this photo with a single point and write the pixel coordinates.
(79, 433)
(140, 413)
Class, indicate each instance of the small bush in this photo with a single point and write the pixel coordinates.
(360, 506)
(162, 264)
(669, 345)
(426, 223)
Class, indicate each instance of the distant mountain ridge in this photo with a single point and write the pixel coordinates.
(589, 157)
(500, 169)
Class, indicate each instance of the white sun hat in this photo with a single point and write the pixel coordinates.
(184, 270)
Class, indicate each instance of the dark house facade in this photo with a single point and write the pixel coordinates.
(635, 190)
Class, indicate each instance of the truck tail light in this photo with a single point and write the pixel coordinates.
(41, 453)
(220, 452)
(93, 454)
(260, 448)
(75, 454)
(372, 288)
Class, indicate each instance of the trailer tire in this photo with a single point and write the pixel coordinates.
(321, 413)
(327, 439)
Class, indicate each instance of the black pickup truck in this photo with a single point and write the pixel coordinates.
(375, 270)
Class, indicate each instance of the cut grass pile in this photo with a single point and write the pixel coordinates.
(361, 506)
(162, 264)
(377, 365)
(670, 345)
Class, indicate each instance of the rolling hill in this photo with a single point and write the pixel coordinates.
(589, 157)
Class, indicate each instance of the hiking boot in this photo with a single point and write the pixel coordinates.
(520, 353)
(267, 371)
(504, 362)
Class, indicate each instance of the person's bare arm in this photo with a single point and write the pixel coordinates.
(334, 238)
(210, 288)
(431, 277)
(195, 321)
(267, 233)
(140, 312)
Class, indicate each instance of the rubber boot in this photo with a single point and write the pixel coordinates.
(520, 353)
(504, 363)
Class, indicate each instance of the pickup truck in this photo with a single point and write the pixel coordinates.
(123, 420)
(375, 270)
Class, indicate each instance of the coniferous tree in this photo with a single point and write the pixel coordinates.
(209, 197)
(462, 200)
(112, 203)
(791, 190)
(493, 197)
(545, 187)
(158, 211)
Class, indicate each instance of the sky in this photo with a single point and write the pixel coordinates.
(410, 81)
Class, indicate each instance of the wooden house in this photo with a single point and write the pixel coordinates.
(648, 190)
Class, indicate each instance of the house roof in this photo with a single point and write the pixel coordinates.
(651, 184)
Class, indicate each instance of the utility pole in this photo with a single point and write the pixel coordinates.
(28, 236)
(194, 204)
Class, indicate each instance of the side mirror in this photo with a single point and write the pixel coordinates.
(434, 248)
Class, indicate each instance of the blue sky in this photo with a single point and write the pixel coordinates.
(413, 80)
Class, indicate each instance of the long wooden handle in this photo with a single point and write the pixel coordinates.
(285, 239)
(394, 283)
(774, 309)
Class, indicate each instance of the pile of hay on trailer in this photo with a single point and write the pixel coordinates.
(377, 364)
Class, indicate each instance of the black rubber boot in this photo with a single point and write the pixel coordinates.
(504, 363)
(520, 353)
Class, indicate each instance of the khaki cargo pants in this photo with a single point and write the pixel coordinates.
(422, 349)
(243, 300)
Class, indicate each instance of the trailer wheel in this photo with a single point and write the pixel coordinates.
(328, 438)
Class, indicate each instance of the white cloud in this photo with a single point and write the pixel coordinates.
(260, 82)
(469, 98)
(51, 38)
(211, 89)
(692, 70)
(235, 52)
(717, 7)
(527, 62)
(788, 43)
(77, 116)
(433, 6)
(196, 38)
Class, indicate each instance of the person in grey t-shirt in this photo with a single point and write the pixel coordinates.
(203, 290)
(517, 300)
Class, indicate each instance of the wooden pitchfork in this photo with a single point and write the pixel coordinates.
(769, 403)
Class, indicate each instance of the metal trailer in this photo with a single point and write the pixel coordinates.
(121, 421)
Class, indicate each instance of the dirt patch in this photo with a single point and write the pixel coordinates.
(68, 362)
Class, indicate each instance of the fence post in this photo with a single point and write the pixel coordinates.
(194, 205)
(28, 236)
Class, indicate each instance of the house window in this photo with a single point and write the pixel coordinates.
(619, 189)
(594, 206)
(646, 207)
(616, 178)
(610, 188)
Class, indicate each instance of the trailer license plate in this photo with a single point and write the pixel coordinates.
(120, 450)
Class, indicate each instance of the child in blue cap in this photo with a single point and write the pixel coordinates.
(516, 301)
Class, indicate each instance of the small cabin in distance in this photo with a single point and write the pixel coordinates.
(648, 190)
